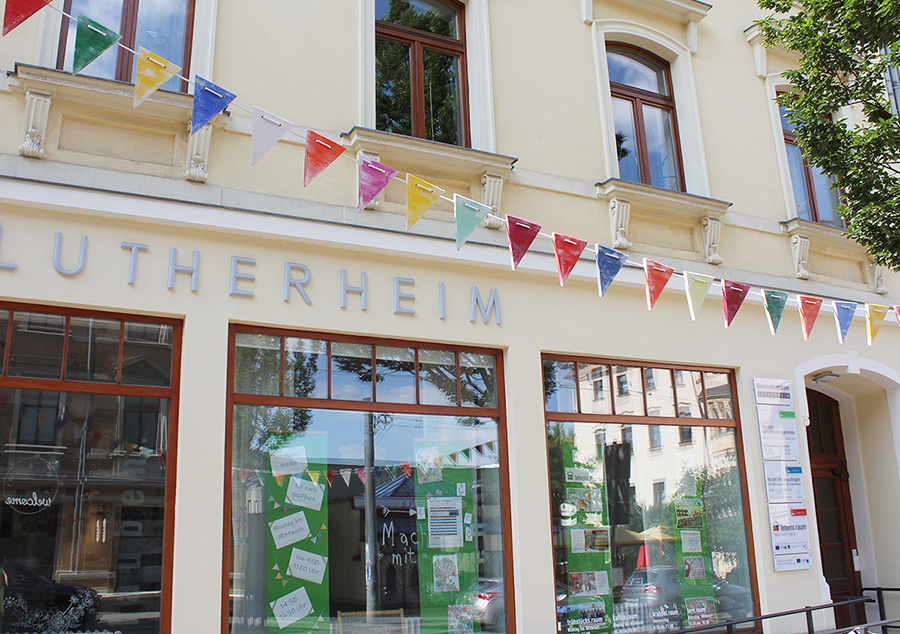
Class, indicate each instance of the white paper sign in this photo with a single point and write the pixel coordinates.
(773, 392)
(307, 566)
(291, 607)
(445, 523)
(583, 475)
(784, 481)
(778, 433)
(302, 492)
(790, 528)
(420, 512)
(792, 562)
(290, 529)
(467, 518)
(461, 489)
(691, 542)
(288, 460)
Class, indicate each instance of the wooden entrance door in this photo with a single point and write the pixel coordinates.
(834, 513)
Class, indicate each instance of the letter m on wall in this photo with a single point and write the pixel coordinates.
(493, 304)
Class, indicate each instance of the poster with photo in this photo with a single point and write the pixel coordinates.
(693, 560)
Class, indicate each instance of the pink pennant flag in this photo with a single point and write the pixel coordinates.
(656, 276)
(568, 250)
(361, 474)
(897, 314)
(373, 177)
(521, 234)
(17, 11)
(243, 473)
(733, 295)
(809, 310)
(320, 153)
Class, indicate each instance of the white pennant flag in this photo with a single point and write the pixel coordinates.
(345, 474)
(267, 130)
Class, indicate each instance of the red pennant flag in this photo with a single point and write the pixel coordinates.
(733, 295)
(329, 475)
(407, 470)
(809, 310)
(655, 277)
(361, 474)
(897, 313)
(568, 250)
(521, 233)
(243, 473)
(17, 11)
(320, 153)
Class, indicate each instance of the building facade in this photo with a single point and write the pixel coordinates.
(235, 401)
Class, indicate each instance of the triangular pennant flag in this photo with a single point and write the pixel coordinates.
(152, 72)
(209, 100)
(313, 475)
(376, 471)
(92, 39)
(267, 130)
(145, 452)
(373, 177)
(278, 576)
(451, 459)
(407, 469)
(329, 476)
(696, 286)
(345, 474)
(774, 301)
(609, 263)
(809, 310)
(655, 277)
(520, 233)
(468, 215)
(874, 318)
(392, 471)
(284, 582)
(733, 295)
(320, 153)
(129, 448)
(17, 11)
(567, 250)
(361, 474)
(897, 314)
(242, 474)
(420, 195)
(275, 567)
(843, 316)
(314, 539)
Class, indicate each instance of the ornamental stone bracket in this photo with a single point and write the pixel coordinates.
(878, 272)
(37, 109)
(198, 155)
(711, 229)
(491, 193)
(619, 217)
(800, 251)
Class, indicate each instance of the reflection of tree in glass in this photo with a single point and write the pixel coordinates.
(621, 150)
(393, 105)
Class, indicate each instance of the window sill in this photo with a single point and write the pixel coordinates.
(685, 215)
(472, 173)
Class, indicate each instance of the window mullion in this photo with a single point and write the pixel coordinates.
(641, 144)
(129, 37)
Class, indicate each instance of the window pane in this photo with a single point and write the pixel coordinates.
(305, 368)
(661, 148)
(689, 391)
(636, 71)
(643, 540)
(559, 386)
(109, 14)
(594, 386)
(395, 374)
(798, 181)
(432, 16)
(629, 395)
(351, 371)
(785, 122)
(478, 385)
(160, 28)
(438, 384)
(626, 141)
(660, 396)
(718, 395)
(36, 345)
(257, 364)
(393, 102)
(147, 354)
(442, 97)
(93, 351)
(826, 198)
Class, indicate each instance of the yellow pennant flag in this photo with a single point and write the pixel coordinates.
(874, 318)
(313, 475)
(152, 72)
(420, 195)
(697, 286)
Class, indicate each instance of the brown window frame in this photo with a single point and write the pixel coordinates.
(498, 412)
(128, 29)
(172, 392)
(638, 98)
(418, 41)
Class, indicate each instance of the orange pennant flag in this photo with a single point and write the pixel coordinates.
(655, 277)
(809, 310)
(320, 153)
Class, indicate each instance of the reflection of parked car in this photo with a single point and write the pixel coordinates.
(654, 587)
(490, 607)
(35, 603)
(732, 601)
(590, 612)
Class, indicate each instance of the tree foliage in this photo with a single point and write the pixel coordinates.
(846, 46)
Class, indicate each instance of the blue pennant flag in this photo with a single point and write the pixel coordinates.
(209, 100)
(609, 263)
(843, 316)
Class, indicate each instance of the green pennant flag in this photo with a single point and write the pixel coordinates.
(774, 302)
(92, 39)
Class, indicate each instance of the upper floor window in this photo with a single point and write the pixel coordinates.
(420, 70)
(813, 195)
(162, 26)
(644, 116)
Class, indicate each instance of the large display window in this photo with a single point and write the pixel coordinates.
(87, 444)
(647, 499)
(365, 486)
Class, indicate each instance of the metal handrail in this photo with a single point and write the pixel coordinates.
(808, 610)
(879, 591)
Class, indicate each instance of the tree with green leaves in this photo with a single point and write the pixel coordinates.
(846, 47)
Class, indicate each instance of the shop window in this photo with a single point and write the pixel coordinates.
(162, 26)
(85, 530)
(420, 70)
(366, 485)
(658, 541)
(647, 144)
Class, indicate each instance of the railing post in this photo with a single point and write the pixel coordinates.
(810, 628)
(730, 628)
(882, 613)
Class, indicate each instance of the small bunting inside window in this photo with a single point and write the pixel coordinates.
(843, 317)
(733, 295)
(520, 234)
(696, 287)
(874, 318)
(656, 276)
(809, 310)
(567, 250)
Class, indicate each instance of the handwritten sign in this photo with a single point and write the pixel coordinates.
(288, 460)
(291, 607)
(289, 530)
(307, 566)
(302, 492)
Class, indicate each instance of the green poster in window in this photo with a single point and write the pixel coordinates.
(693, 561)
(448, 534)
(588, 605)
(297, 541)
